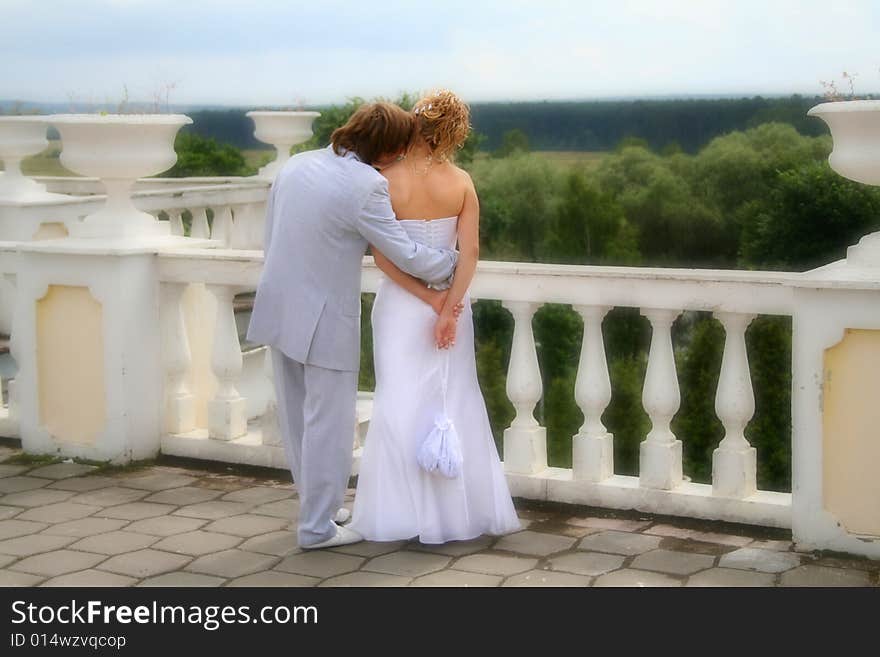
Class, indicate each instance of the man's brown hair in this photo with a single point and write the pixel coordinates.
(374, 130)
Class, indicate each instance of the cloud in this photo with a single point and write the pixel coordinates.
(275, 50)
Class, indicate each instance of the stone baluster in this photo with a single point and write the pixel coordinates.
(593, 446)
(12, 409)
(660, 453)
(222, 226)
(257, 225)
(734, 462)
(200, 228)
(227, 412)
(175, 218)
(240, 232)
(180, 410)
(525, 441)
(269, 422)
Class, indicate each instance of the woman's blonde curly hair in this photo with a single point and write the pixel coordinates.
(443, 121)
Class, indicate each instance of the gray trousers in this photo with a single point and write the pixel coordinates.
(316, 413)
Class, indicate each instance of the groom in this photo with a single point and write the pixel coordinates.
(323, 210)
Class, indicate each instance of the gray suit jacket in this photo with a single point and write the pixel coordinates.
(323, 210)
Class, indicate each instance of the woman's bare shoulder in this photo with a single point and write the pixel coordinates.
(464, 179)
(456, 175)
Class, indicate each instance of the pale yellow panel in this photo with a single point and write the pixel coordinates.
(70, 364)
(200, 311)
(851, 431)
(50, 230)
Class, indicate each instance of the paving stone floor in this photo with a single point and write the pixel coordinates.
(68, 524)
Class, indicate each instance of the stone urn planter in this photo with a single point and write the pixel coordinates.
(118, 149)
(20, 137)
(855, 129)
(283, 130)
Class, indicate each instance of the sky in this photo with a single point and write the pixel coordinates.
(290, 53)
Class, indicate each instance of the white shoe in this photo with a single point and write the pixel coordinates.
(343, 536)
(342, 516)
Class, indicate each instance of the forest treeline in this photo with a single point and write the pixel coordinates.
(687, 124)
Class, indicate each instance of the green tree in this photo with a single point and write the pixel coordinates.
(198, 156)
(588, 221)
(699, 365)
(624, 417)
(493, 331)
(742, 166)
(623, 248)
(465, 156)
(675, 225)
(518, 196)
(513, 142)
(558, 334)
(671, 148)
(807, 219)
(367, 373)
(768, 342)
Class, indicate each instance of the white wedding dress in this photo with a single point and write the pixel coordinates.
(396, 499)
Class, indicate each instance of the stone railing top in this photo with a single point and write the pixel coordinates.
(157, 181)
(98, 246)
(236, 267)
(839, 275)
(767, 292)
(664, 273)
(642, 287)
(243, 190)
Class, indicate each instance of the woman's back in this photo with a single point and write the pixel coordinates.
(422, 189)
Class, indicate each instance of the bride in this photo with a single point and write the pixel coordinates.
(418, 358)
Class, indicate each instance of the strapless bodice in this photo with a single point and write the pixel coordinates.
(435, 232)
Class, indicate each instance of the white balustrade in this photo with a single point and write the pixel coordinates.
(660, 453)
(525, 441)
(522, 288)
(180, 412)
(227, 411)
(593, 446)
(734, 463)
(86, 186)
(21, 222)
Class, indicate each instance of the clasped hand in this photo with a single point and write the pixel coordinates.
(447, 322)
